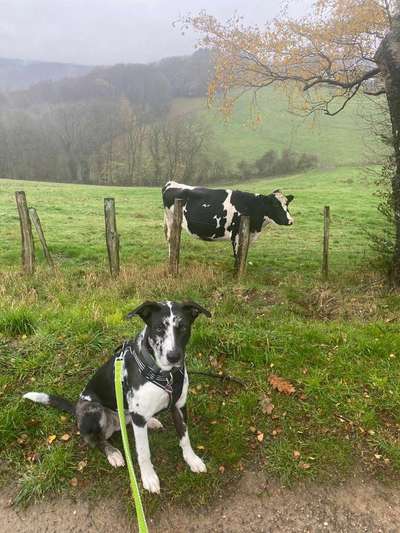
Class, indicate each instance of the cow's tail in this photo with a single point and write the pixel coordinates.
(50, 399)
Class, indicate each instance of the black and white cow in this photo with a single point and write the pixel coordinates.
(214, 214)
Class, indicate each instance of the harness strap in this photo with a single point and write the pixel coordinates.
(162, 379)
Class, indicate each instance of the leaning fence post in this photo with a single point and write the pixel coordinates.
(28, 249)
(112, 237)
(325, 253)
(243, 247)
(175, 237)
(38, 226)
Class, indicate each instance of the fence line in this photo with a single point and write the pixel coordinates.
(113, 241)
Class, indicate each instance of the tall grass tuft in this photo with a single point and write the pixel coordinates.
(17, 322)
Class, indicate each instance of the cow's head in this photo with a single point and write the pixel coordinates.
(276, 208)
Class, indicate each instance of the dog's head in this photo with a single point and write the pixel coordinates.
(168, 329)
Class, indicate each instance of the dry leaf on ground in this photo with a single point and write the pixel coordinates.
(266, 405)
(280, 384)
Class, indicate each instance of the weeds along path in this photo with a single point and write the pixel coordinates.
(255, 505)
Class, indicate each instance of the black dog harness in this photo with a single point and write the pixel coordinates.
(171, 381)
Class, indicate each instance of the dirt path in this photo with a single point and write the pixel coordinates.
(255, 506)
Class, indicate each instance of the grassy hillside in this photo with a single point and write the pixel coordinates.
(336, 342)
(337, 141)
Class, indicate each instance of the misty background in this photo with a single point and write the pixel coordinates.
(104, 32)
(110, 92)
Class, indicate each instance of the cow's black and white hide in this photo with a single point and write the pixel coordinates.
(214, 214)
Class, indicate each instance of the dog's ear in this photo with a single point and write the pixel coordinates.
(290, 198)
(144, 310)
(196, 309)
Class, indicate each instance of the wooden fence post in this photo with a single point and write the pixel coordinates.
(28, 249)
(325, 253)
(112, 237)
(38, 226)
(243, 248)
(175, 237)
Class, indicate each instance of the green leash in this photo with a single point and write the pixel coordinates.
(141, 519)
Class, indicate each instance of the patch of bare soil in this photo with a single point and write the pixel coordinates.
(254, 506)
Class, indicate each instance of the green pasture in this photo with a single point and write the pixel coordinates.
(337, 343)
(337, 141)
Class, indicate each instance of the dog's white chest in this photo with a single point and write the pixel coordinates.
(147, 400)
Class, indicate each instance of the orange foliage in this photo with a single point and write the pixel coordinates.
(333, 46)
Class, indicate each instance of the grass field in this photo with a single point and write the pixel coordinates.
(339, 141)
(336, 342)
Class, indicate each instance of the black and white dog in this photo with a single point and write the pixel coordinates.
(154, 379)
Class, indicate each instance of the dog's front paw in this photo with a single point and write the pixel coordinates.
(154, 423)
(150, 479)
(115, 458)
(195, 463)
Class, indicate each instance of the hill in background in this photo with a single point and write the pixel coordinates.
(19, 74)
(137, 124)
(337, 141)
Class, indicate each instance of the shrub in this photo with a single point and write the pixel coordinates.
(273, 164)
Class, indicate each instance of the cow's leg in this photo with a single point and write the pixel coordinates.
(168, 220)
(235, 245)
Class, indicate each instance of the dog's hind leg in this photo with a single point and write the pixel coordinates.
(114, 456)
(180, 420)
(96, 424)
(154, 423)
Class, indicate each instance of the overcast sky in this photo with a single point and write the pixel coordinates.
(112, 31)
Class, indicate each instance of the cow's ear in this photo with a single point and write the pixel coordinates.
(196, 309)
(290, 198)
(144, 311)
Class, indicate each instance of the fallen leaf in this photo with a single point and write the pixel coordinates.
(304, 466)
(276, 431)
(253, 429)
(65, 437)
(81, 465)
(260, 437)
(296, 455)
(22, 439)
(221, 469)
(51, 438)
(73, 482)
(200, 447)
(32, 457)
(280, 384)
(266, 405)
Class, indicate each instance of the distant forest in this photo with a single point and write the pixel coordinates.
(113, 125)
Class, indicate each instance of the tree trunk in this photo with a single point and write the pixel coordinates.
(388, 59)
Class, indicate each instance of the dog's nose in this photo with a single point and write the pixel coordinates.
(174, 357)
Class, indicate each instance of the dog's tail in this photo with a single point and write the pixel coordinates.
(50, 399)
